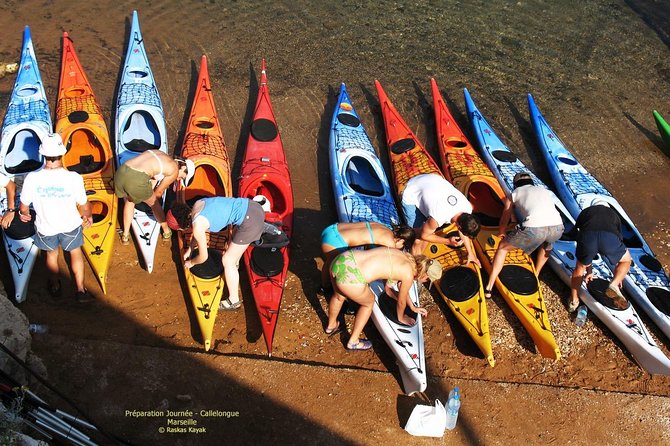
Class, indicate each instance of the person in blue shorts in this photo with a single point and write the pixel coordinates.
(599, 232)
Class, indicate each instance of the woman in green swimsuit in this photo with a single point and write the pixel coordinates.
(352, 271)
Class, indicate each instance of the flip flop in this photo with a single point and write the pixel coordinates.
(125, 239)
(227, 305)
(167, 235)
(362, 344)
(487, 293)
(573, 306)
(333, 331)
(54, 288)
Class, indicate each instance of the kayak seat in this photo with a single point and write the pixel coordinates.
(660, 298)
(140, 133)
(19, 230)
(77, 116)
(389, 307)
(23, 153)
(210, 268)
(86, 165)
(267, 262)
(264, 130)
(651, 263)
(519, 280)
(459, 284)
(504, 156)
(403, 145)
(597, 289)
(362, 178)
(348, 120)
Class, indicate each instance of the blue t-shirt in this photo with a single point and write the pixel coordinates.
(223, 211)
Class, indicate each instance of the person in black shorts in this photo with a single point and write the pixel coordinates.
(599, 229)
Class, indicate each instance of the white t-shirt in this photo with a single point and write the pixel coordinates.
(4, 180)
(435, 197)
(535, 207)
(54, 194)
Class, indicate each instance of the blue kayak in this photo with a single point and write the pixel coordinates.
(27, 122)
(646, 281)
(140, 126)
(362, 193)
(625, 324)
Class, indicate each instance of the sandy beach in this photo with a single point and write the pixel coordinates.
(596, 69)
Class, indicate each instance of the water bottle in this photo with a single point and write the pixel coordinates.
(453, 404)
(38, 328)
(580, 319)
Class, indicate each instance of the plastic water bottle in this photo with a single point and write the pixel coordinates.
(38, 328)
(582, 312)
(453, 404)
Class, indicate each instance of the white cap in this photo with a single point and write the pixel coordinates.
(190, 171)
(52, 146)
(598, 201)
(263, 201)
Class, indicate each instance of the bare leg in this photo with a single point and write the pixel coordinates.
(231, 261)
(621, 269)
(128, 210)
(542, 257)
(159, 213)
(362, 316)
(52, 263)
(334, 308)
(77, 265)
(498, 262)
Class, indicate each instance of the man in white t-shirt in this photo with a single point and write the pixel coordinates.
(540, 225)
(10, 191)
(428, 202)
(55, 193)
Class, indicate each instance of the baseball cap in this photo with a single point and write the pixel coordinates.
(171, 221)
(263, 201)
(52, 146)
(598, 201)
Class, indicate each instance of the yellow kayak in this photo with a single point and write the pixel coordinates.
(81, 125)
(461, 283)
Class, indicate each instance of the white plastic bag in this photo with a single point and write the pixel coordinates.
(427, 421)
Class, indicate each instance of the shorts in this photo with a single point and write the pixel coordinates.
(252, 227)
(529, 239)
(133, 184)
(69, 241)
(331, 236)
(605, 243)
(414, 218)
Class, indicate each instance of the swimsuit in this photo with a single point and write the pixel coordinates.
(331, 236)
(345, 271)
(159, 176)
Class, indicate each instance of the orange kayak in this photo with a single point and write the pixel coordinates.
(80, 123)
(204, 145)
(461, 283)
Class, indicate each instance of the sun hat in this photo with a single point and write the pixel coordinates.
(263, 201)
(190, 171)
(52, 146)
(434, 270)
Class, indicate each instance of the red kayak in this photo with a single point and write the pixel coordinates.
(265, 175)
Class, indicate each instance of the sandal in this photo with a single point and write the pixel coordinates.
(362, 344)
(167, 235)
(84, 296)
(487, 293)
(125, 239)
(54, 288)
(227, 305)
(333, 331)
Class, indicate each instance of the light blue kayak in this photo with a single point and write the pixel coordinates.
(362, 193)
(27, 122)
(646, 281)
(140, 125)
(625, 324)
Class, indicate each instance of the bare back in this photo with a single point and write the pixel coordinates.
(154, 163)
(385, 264)
(358, 234)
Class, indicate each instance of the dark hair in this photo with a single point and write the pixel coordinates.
(405, 233)
(182, 214)
(468, 224)
(53, 159)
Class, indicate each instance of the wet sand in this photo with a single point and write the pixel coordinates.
(596, 71)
